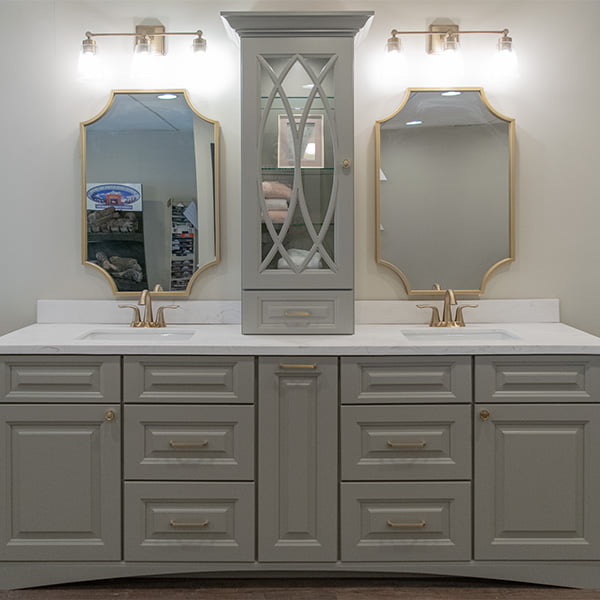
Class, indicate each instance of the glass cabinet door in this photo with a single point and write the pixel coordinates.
(300, 178)
(297, 151)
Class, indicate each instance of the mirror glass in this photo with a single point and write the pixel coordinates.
(150, 191)
(444, 190)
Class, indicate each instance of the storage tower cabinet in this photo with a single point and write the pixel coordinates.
(297, 170)
(479, 466)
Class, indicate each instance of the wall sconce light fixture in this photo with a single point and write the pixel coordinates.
(149, 39)
(445, 38)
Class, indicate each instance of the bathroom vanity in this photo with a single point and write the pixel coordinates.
(399, 449)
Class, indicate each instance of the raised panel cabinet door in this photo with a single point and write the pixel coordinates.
(297, 459)
(60, 481)
(537, 481)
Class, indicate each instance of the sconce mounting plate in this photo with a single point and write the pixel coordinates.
(436, 40)
(157, 42)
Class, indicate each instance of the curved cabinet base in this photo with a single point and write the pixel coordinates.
(577, 574)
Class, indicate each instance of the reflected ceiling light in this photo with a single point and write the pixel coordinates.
(451, 93)
(414, 123)
(149, 39)
(167, 97)
(445, 38)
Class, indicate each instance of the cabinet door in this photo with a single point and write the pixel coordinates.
(297, 120)
(297, 446)
(537, 475)
(60, 475)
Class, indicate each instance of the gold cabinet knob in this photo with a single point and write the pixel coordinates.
(484, 414)
(110, 415)
(346, 163)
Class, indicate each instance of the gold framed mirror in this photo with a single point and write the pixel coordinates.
(445, 190)
(150, 191)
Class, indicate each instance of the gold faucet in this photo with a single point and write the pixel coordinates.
(447, 320)
(145, 300)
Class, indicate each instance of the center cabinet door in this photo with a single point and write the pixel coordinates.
(297, 442)
(297, 144)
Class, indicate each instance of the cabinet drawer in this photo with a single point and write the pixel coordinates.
(189, 442)
(187, 521)
(537, 378)
(60, 379)
(406, 521)
(298, 312)
(406, 442)
(410, 379)
(182, 379)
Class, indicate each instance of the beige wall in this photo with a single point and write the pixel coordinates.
(554, 102)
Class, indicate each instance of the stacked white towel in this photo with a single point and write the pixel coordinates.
(298, 256)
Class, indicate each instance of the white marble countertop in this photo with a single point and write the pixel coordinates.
(369, 339)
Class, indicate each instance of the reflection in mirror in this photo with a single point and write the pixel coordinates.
(444, 190)
(150, 192)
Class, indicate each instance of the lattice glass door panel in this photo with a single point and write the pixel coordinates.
(297, 154)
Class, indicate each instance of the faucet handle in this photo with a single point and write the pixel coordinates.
(160, 314)
(458, 317)
(435, 314)
(137, 319)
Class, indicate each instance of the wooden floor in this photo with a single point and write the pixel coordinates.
(299, 589)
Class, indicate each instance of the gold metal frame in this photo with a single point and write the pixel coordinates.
(216, 127)
(511, 170)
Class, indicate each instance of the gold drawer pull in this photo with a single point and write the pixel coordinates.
(297, 313)
(176, 524)
(110, 415)
(300, 366)
(174, 444)
(484, 415)
(406, 444)
(417, 524)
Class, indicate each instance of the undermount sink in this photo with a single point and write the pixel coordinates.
(458, 334)
(131, 334)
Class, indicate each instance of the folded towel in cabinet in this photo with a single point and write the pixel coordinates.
(276, 203)
(277, 216)
(275, 189)
(297, 255)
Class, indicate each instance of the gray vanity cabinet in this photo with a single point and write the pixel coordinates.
(485, 466)
(406, 458)
(189, 458)
(537, 458)
(60, 467)
(297, 459)
(297, 170)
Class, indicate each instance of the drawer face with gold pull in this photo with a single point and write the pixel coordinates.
(198, 442)
(406, 442)
(317, 311)
(406, 521)
(188, 521)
